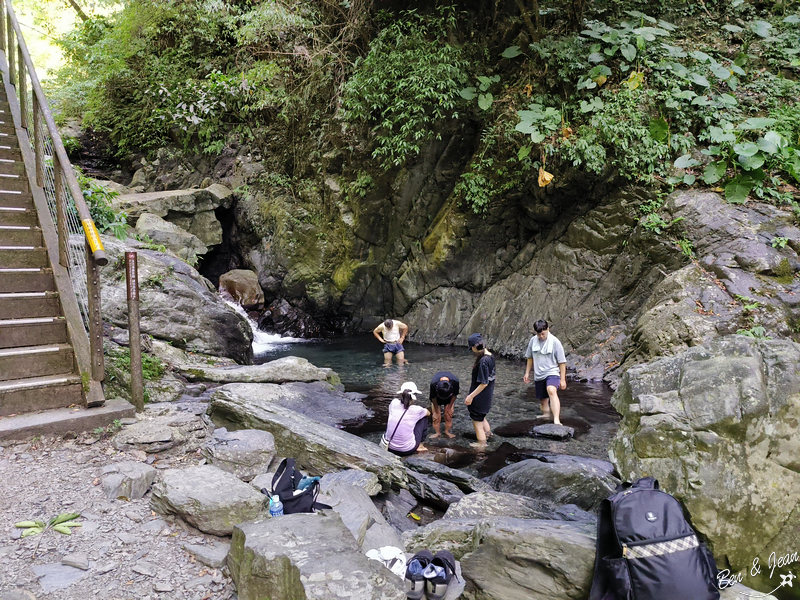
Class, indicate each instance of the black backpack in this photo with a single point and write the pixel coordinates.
(646, 550)
(284, 484)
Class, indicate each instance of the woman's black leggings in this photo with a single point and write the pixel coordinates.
(420, 431)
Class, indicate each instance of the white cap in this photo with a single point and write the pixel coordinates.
(411, 387)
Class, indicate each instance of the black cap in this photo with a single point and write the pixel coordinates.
(475, 339)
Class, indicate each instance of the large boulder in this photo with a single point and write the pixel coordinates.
(128, 479)
(356, 477)
(206, 497)
(183, 244)
(191, 210)
(464, 481)
(499, 504)
(306, 556)
(317, 400)
(241, 286)
(176, 303)
(245, 453)
(504, 558)
(432, 490)
(281, 370)
(559, 480)
(717, 426)
(318, 448)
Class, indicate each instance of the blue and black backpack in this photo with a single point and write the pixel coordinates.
(646, 549)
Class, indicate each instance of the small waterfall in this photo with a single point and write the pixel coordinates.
(262, 341)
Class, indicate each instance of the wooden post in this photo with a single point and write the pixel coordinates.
(38, 144)
(134, 335)
(61, 214)
(2, 28)
(22, 90)
(95, 318)
(11, 54)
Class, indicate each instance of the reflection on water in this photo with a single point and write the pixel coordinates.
(359, 362)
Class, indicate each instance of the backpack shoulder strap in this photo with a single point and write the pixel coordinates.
(282, 480)
(646, 483)
(606, 546)
(315, 491)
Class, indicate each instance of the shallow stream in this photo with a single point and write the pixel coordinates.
(359, 362)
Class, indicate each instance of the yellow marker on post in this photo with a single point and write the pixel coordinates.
(92, 235)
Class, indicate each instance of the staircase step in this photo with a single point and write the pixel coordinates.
(9, 141)
(12, 167)
(40, 393)
(16, 183)
(27, 280)
(17, 257)
(20, 236)
(10, 154)
(29, 305)
(29, 332)
(36, 361)
(19, 217)
(7, 129)
(16, 201)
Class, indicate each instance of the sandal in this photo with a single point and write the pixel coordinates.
(415, 581)
(442, 569)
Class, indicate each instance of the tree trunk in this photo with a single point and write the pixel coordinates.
(78, 10)
(527, 19)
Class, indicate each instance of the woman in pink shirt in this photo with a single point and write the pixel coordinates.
(408, 423)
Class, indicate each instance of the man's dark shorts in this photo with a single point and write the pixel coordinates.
(393, 348)
(541, 386)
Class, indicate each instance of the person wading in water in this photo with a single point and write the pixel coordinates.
(481, 388)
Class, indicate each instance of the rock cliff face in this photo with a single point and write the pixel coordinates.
(349, 248)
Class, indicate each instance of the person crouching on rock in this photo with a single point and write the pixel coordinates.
(391, 334)
(444, 390)
(481, 389)
(545, 356)
(408, 422)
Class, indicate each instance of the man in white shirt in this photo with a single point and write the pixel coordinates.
(391, 334)
(545, 355)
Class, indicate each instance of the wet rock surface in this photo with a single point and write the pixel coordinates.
(245, 453)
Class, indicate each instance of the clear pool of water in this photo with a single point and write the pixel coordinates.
(359, 362)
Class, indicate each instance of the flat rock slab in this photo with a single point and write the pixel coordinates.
(206, 497)
(245, 453)
(499, 504)
(363, 479)
(432, 490)
(78, 560)
(317, 448)
(554, 432)
(212, 555)
(318, 400)
(149, 436)
(306, 556)
(129, 479)
(465, 482)
(282, 370)
(55, 576)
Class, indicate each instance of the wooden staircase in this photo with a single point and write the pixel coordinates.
(38, 369)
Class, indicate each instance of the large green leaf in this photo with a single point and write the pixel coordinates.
(757, 123)
(485, 101)
(714, 172)
(733, 28)
(746, 148)
(751, 163)
(685, 162)
(738, 189)
(629, 52)
(720, 72)
(776, 138)
(467, 93)
(761, 28)
(526, 127)
(537, 136)
(701, 56)
(719, 136)
(511, 52)
(596, 57)
(699, 79)
(767, 145)
(689, 179)
(523, 152)
(659, 129)
(792, 19)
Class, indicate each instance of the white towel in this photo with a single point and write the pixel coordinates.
(391, 557)
(541, 347)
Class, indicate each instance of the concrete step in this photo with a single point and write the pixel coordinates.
(12, 167)
(19, 217)
(20, 236)
(36, 361)
(40, 393)
(17, 257)
(29, 305)
(16, 183)
(27, 280)
(16, 200)
(63, 420)
(15, 333)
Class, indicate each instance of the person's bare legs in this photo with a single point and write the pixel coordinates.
(545, 403)
(387, 359)
(401, 358)
(555, 403)
(436, 416)
(480, 433)
(448, 419)
(486, 428)
(422, 448)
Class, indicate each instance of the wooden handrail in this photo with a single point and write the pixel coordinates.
(89, 228)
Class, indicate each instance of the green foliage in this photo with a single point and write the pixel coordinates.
(779, 242)
(152, 367)
(757, 331)
(657, 224)
(407, 84)
(98, 199)
(784, 272)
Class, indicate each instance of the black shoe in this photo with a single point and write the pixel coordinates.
(436, 587)
(415, 582)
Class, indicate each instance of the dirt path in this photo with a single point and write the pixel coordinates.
(132, 552)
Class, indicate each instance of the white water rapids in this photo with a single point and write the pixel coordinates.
(262, 341)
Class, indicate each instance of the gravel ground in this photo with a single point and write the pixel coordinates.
(132, 552)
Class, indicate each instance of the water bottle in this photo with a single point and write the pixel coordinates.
(275, 506)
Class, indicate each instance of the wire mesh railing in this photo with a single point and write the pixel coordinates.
(80, 251)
